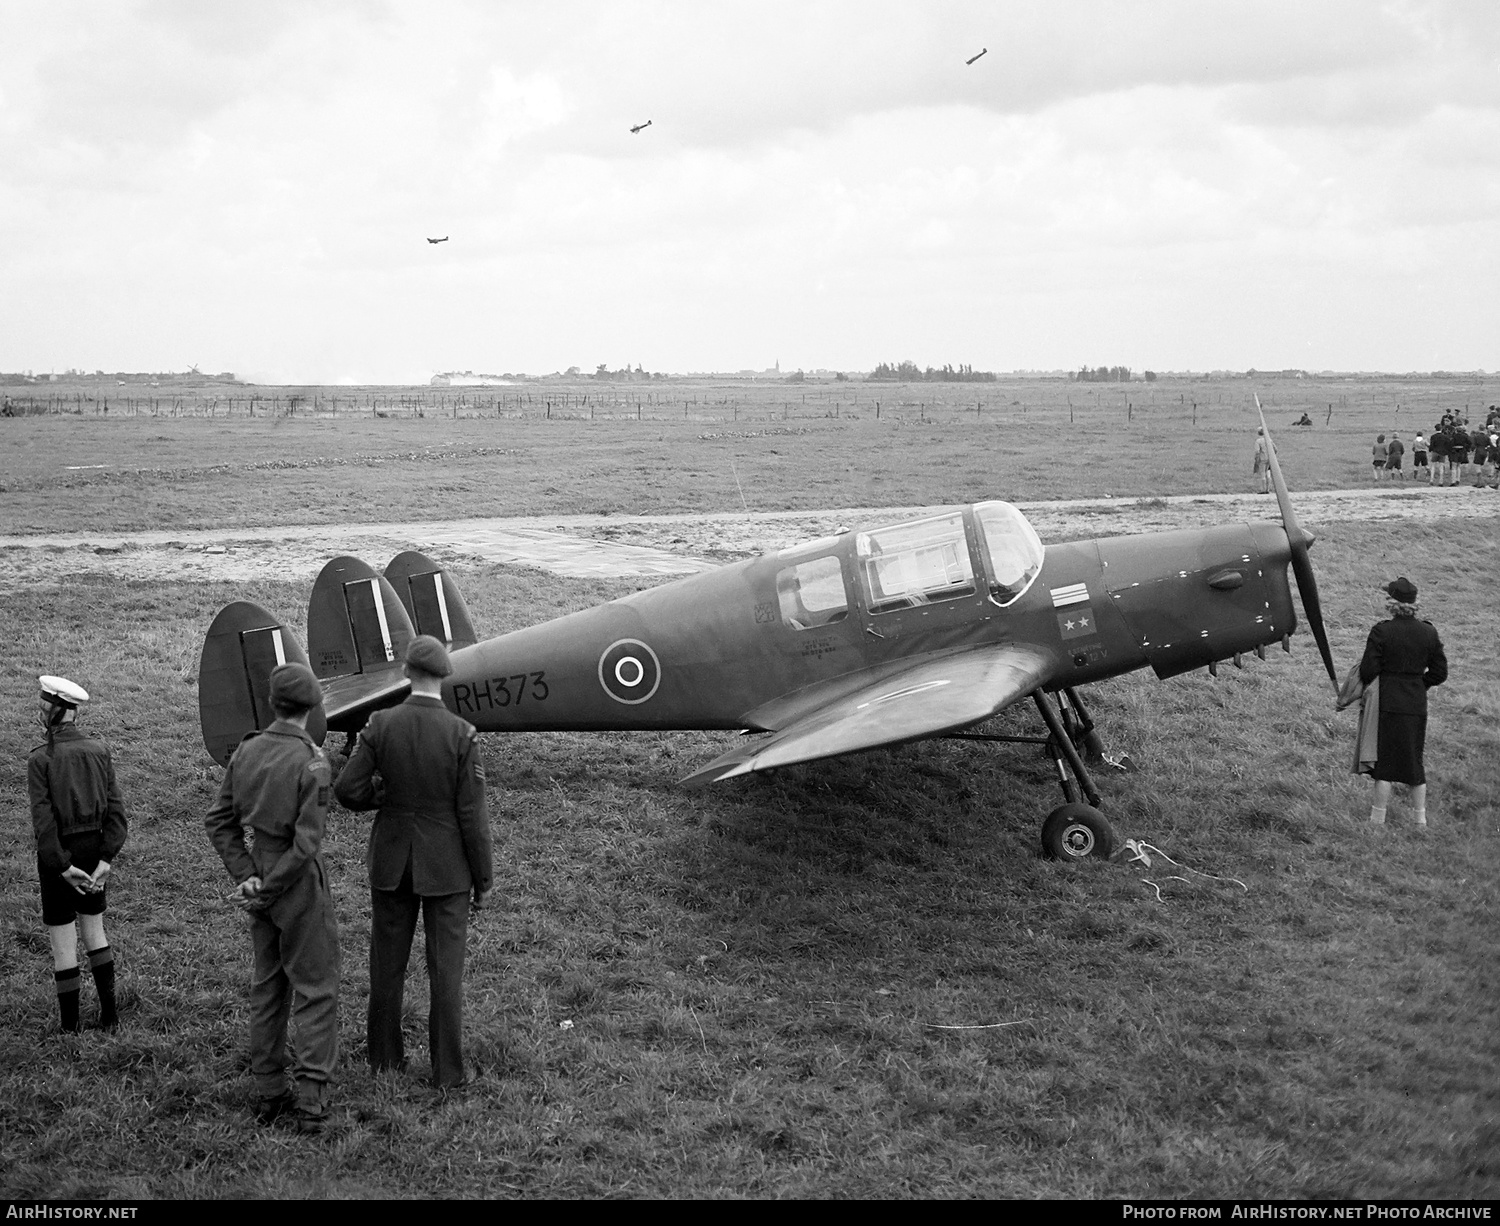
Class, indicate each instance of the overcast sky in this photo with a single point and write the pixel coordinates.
(1162, 185)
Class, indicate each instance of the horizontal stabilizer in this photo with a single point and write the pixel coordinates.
(431, 599)
(348, 701)
(234, 673)
(355, 622)
(930, 696)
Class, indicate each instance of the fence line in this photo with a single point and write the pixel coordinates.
(1134, 405)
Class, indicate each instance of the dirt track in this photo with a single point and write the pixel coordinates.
(619, 546)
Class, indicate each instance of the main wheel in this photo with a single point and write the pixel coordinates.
(1077, 832)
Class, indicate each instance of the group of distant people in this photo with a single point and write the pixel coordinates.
(1456, 451)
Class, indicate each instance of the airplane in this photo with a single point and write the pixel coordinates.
(435, 241)
(877, 636)
(972, 58)
(640, 127)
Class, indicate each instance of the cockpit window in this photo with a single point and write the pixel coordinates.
(915, 564)
(812, 593)
(1012, 548)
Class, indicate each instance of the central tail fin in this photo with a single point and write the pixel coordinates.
(357, 636)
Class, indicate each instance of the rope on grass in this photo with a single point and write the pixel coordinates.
(1139, 848)
(1025, 1021)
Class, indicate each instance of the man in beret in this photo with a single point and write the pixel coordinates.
(78, 818)
(429, 851)
(278, 785)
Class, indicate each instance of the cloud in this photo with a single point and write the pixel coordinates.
(257, 182)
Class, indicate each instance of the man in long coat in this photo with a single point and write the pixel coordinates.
(429, 850)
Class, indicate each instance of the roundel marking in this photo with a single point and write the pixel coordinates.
(629, 671)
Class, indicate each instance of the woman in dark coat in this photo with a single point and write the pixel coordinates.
(1407, 656)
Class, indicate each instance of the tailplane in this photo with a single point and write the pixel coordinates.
(359, 625)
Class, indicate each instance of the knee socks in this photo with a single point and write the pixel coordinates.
(67, 997)
(102, 963)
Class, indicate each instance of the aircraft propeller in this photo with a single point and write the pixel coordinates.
(1299, 540)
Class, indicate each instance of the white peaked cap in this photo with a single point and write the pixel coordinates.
(61, 690)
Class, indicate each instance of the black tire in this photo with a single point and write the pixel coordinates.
(1077, 832)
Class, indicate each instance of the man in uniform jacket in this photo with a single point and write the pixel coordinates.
(277, 785)
(78, 818)
(1407, 655)
(429, 849)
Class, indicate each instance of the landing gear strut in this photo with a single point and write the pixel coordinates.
(1075, 830)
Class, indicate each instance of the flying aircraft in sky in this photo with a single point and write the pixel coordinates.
(972, 58)
(640, 127)
(444, 239)
(877, 636)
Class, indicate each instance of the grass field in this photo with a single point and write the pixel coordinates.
(730, 448)
(795, 985)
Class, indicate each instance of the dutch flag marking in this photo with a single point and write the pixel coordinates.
(1073, 593)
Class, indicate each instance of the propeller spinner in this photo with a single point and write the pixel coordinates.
(1299, 539)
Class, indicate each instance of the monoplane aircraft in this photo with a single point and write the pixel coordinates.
(637, 129)
(877, 636)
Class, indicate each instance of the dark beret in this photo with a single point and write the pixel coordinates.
(429, 655)
(1402, 589)
(293, 685)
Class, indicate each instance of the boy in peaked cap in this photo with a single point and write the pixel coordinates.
(278, 784)
(78, 817)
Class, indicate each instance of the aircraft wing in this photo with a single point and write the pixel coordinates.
(928, 697)
(348, 701)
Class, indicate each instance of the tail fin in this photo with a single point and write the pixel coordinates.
(355, 623)
(242, 647)
(357, 635)
(431, 599)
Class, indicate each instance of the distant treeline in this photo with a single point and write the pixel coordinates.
(1107, 374)
(907, 372)
(624, 374)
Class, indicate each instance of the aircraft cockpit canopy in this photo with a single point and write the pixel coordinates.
(1012, 548)
(915, 564)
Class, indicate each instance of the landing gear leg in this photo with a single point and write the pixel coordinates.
(1081, 729)
(1074, 831)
